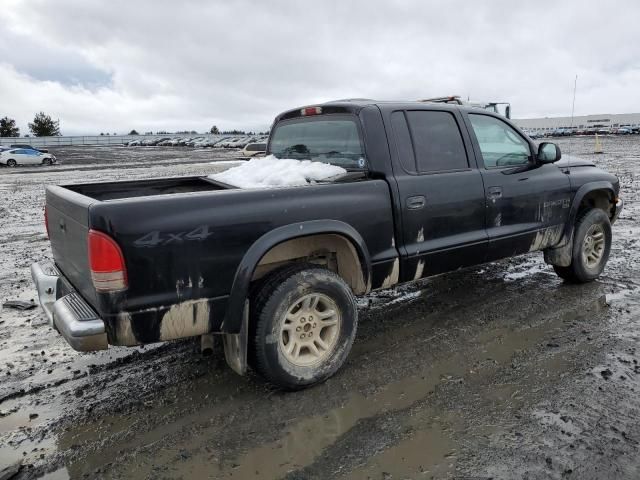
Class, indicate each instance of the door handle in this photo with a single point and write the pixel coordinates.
(494, 192)
(417, 202)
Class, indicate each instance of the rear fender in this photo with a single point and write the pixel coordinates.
(242, 280)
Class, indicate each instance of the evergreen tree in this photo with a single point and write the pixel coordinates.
(8, 128)
(44, 126)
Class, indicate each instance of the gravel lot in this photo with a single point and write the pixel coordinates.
(498, 371)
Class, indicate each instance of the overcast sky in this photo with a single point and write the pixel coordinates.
(115, 65)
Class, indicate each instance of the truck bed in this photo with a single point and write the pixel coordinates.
(183, 238)
(146, 188)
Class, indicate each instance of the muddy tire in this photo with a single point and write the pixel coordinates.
(591, 247)
(11, 163)
(47, 161)
(304, 322)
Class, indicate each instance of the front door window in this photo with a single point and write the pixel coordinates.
(500, 145)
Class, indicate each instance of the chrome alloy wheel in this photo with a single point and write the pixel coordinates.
(310, 328)
(593, 246)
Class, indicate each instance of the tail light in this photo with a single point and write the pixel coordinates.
(108, 271)
(46, 221)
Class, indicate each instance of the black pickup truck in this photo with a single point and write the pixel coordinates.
(428, 188)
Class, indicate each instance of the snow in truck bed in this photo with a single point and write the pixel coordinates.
(277, 172)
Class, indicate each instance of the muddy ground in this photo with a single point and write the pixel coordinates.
(498, 371)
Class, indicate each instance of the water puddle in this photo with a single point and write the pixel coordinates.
(429, 448)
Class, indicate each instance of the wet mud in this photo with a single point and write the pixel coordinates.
(498, 371)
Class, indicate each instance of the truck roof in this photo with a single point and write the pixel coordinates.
(363, 102)
(354, 105)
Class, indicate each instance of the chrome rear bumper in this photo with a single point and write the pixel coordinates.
(74, 318)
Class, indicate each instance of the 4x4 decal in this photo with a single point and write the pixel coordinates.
(157, 237)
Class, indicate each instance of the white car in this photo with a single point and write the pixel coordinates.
(253, 149)
(227, 142)
(245, 141)
(238, 143)
(25, 156)
(220, 142)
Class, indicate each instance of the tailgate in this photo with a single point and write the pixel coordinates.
(68, 224)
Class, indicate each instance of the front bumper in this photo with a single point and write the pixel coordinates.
(617, 209)
(67, 311)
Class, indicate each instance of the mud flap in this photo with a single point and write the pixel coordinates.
(560, 256)
(235, 345)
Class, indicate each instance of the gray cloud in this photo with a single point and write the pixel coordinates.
(32, 56)
(166, 65)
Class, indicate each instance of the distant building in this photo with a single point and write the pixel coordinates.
(605, 120)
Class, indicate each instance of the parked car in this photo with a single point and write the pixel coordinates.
(226, 143)
(219, 142)
(275, 270)
(29, 147)
(25, 156)
(623, 131)
(561, 132)
(534, 134)
(238, 143)
(210, 142)
(253, 149)
(242, 142)
(229, 141)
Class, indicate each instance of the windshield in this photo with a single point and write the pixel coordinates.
(335, 141)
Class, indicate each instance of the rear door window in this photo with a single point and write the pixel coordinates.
(404, 145)
(437, 142)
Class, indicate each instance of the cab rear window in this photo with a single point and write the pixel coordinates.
(330, 140)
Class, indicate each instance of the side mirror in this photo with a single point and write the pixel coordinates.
(507, 111)
(548, 153)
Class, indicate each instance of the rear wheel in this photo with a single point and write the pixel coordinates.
(305, 320)
(591, 246)
(11, 163)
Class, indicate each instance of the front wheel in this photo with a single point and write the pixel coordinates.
(47, 161)
(591, 247)
(305, 323)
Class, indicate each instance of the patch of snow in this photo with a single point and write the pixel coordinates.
(514, 274)
(405, 297)
(387, 297)
(526, 267)
(269, 172)
(228, 162)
